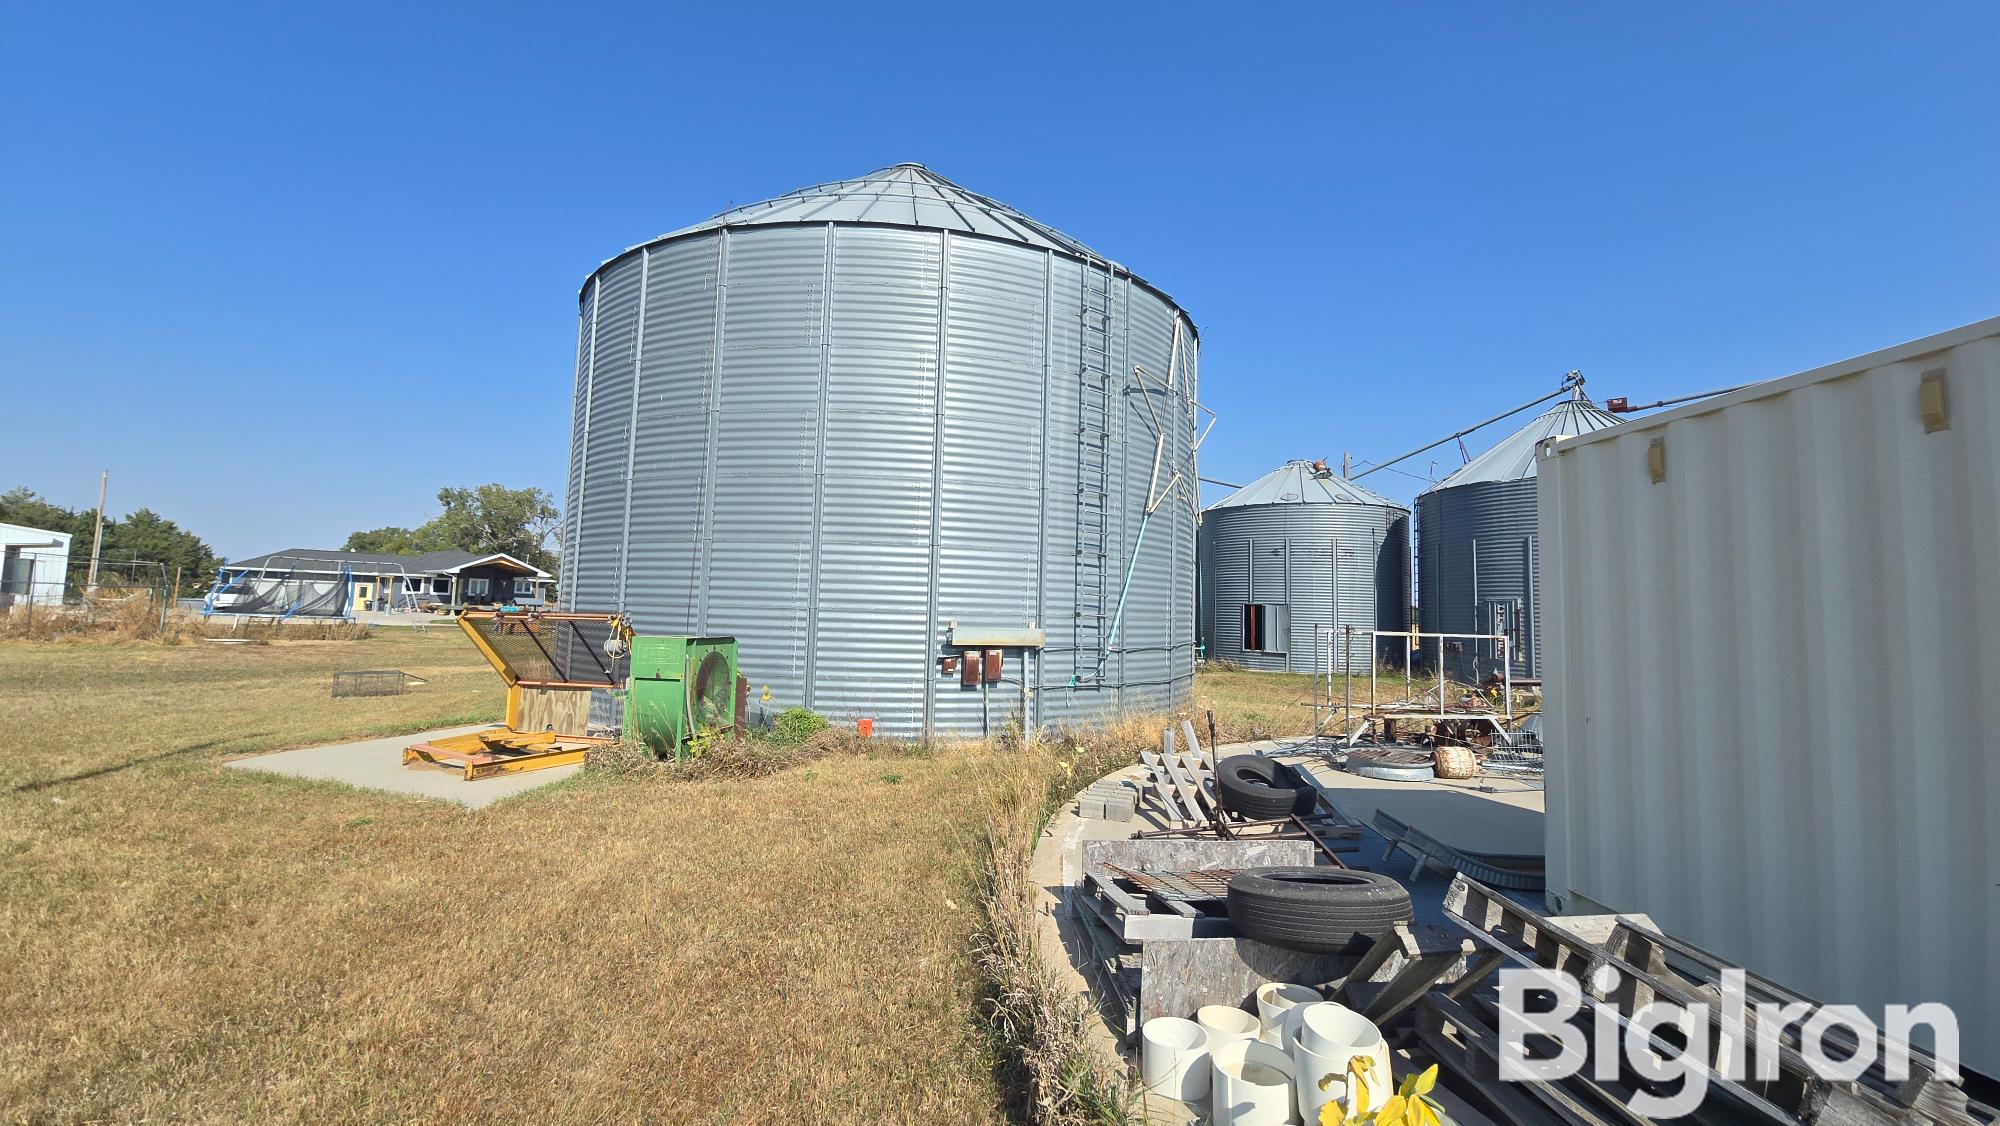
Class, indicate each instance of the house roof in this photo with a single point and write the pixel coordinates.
(324, 560)
(1302, 482)
(1513, 458)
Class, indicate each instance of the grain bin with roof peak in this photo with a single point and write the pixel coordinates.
(1478, 560)
(1299, 551)
(875, 426)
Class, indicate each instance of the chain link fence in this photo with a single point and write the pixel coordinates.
(131, 599)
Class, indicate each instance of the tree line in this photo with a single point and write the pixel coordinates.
(139, 535)
(523, 523)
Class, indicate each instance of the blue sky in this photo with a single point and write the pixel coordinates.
(254, 260)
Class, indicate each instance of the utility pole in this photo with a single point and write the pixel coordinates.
(97, 540)
(1346, 465)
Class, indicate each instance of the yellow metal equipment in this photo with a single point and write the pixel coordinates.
(551, 663)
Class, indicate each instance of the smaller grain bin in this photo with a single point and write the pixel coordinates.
(1299, 550)
(1478, 562)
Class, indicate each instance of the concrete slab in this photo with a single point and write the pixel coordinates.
(377, 764)
(1492, 814)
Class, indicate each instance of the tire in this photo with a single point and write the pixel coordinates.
(1318, 910)
(1259, 788)
(1391, 764)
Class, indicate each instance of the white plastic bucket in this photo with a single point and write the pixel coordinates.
(1274, 1000)
(1225, 1023)
(1252, 1085)
(1174, 1058)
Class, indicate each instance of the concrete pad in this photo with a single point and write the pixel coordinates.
(377, 764)
(1492, 814)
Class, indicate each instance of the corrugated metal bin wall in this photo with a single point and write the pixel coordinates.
(843, 437)
(1330, 564)
(1476, 545)
(1771, 674)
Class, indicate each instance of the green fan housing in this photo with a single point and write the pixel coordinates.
(681, 687)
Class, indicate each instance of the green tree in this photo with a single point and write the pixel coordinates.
(147, 535)
(396, 541)
(141, 535)
(488, 518)
(25, 507)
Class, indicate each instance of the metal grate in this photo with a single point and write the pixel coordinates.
(555, 649)
(368, 682)
(1201, 885)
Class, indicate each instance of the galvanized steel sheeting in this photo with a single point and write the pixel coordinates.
(842, 437)
(1333, 564)
(1477, 543)
(1476, 546)
(1771, 673)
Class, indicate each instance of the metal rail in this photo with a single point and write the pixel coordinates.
(1572, 384)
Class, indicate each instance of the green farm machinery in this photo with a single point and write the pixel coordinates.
(566, 675)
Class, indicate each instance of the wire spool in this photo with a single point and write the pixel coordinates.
(1455, 762)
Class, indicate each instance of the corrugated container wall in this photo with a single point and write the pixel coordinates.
(1771, 673)
(835, 423)
(1477, 555)
(1298, 551)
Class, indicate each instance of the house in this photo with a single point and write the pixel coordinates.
(33, 565)
(315, 582)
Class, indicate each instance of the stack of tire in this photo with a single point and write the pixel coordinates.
(1319, 910)
(1261, 789)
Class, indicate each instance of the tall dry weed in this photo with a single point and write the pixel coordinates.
(1038, 1023)
(127, 615)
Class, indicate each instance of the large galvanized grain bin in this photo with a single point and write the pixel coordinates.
(871, 425)
(1292, 557)
(1771, 672)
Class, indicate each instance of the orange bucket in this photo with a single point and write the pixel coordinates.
(866, 727)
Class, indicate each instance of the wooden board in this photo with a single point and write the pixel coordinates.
(562, 710)
(1162, 786)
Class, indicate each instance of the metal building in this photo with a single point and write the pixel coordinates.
(1299, 551)
(1478, 567)
(875, 426)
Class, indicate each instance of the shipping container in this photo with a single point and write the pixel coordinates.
(1770, 631)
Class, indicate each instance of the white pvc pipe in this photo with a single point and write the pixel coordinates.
(1252, 1085)
(1331, 1034)
(1320, 1079)
(1274, 999)
(1225, 1024)
(1174, 1059)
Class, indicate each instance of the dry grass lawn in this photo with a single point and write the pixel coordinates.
(186, 942)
